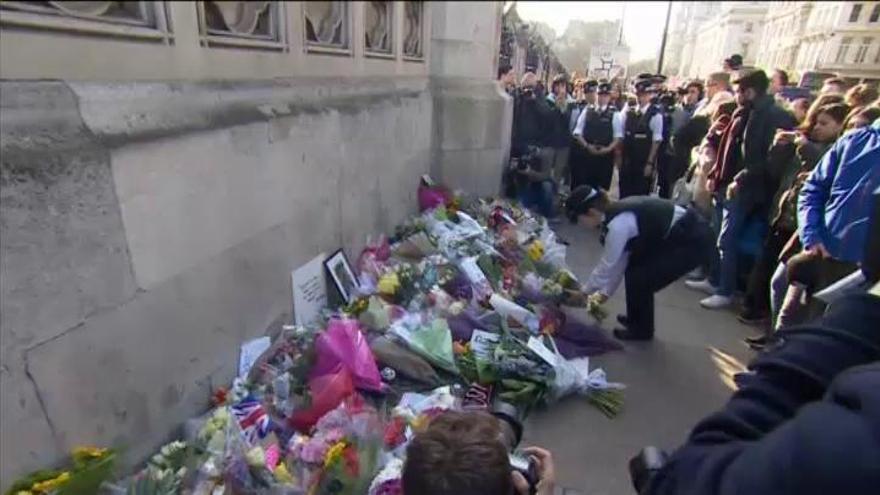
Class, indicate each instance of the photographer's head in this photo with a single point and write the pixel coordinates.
(464, 453)
(459, 454)
(586, 206)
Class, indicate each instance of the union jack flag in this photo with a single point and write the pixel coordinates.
(252, 419)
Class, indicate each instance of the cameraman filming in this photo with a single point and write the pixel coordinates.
(463, 453)
(532, 155)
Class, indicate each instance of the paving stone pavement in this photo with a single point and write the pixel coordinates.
(672, 382)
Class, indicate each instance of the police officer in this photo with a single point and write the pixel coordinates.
(649, 241)
(640, 127)
(594, 133)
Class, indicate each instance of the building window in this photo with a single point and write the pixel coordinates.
(862, 52)
(327, 26)
(744, 50)
(378, 28)
(843, 50)
(141, 20)
(257, 25)
(413, 30)
(855, 13)
(875, 13)
(749, 27)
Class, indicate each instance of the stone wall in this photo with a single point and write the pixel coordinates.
(149, 227)
(148, 230)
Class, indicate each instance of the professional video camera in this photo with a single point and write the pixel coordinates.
(667, 100)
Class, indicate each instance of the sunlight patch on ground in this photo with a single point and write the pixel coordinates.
(727, 366)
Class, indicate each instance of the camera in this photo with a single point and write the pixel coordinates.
(645, 465)
(510, 418)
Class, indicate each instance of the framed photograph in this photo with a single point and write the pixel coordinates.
(343, 277)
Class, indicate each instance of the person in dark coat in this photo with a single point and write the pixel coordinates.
(806, 421)
(739, 177)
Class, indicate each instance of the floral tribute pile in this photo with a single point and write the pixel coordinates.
(462, 308)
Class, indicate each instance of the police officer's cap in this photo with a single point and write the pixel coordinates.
(604, 88)
(645, 75)
(580, 201)
(659, 78)
(591, 85)
(643, 86)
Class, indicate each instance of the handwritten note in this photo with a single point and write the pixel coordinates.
(309, 291)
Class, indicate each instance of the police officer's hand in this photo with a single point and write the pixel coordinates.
(546, 473)
(649, 169)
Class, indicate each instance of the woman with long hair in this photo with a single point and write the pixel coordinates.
(798, 157)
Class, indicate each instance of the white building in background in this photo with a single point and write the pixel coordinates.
(842, 38)
(689, 17)
(783, 30)
(735, 28)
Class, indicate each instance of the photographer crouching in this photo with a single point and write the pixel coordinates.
(465, 453)
(532, 157)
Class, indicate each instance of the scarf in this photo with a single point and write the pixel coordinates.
(729, 159)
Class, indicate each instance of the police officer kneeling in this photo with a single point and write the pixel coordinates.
(651, 241)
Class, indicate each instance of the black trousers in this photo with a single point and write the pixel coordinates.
(632, 179)
(597, 171)
(665, 175)
(757, 299)
(686, 247)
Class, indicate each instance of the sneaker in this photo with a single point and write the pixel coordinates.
(716, 302)
(701, 285)
(696, 274)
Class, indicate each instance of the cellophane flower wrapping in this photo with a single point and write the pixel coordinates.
(430, 339)
(343, 344)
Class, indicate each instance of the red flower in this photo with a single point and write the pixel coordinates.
(220, 396)
(352, 463)
(394, 432)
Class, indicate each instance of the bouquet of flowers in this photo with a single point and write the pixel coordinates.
(89, 468)
(341, 455)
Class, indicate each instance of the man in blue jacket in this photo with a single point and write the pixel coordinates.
(833, 211)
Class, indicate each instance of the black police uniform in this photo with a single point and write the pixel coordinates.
(598, 129)
(637, 141)
(664, 250)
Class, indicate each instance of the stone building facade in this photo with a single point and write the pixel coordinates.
(841, 38)
(165, 165)
(735, 28)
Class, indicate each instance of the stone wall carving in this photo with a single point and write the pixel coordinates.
(326, 24)
(246, 24)
(413, 29)
(379, 27)
(115, 18)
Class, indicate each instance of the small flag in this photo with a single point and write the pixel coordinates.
(252, 419)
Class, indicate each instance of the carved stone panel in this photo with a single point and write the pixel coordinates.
(326, 24)
(114, 18)
(245, 24)
(413, 29)
(378, 27)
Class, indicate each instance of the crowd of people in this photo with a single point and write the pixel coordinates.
(747, 184)
(782, 177)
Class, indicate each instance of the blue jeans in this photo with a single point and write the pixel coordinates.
(732, 221)
(778, 288)
(539, 196)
